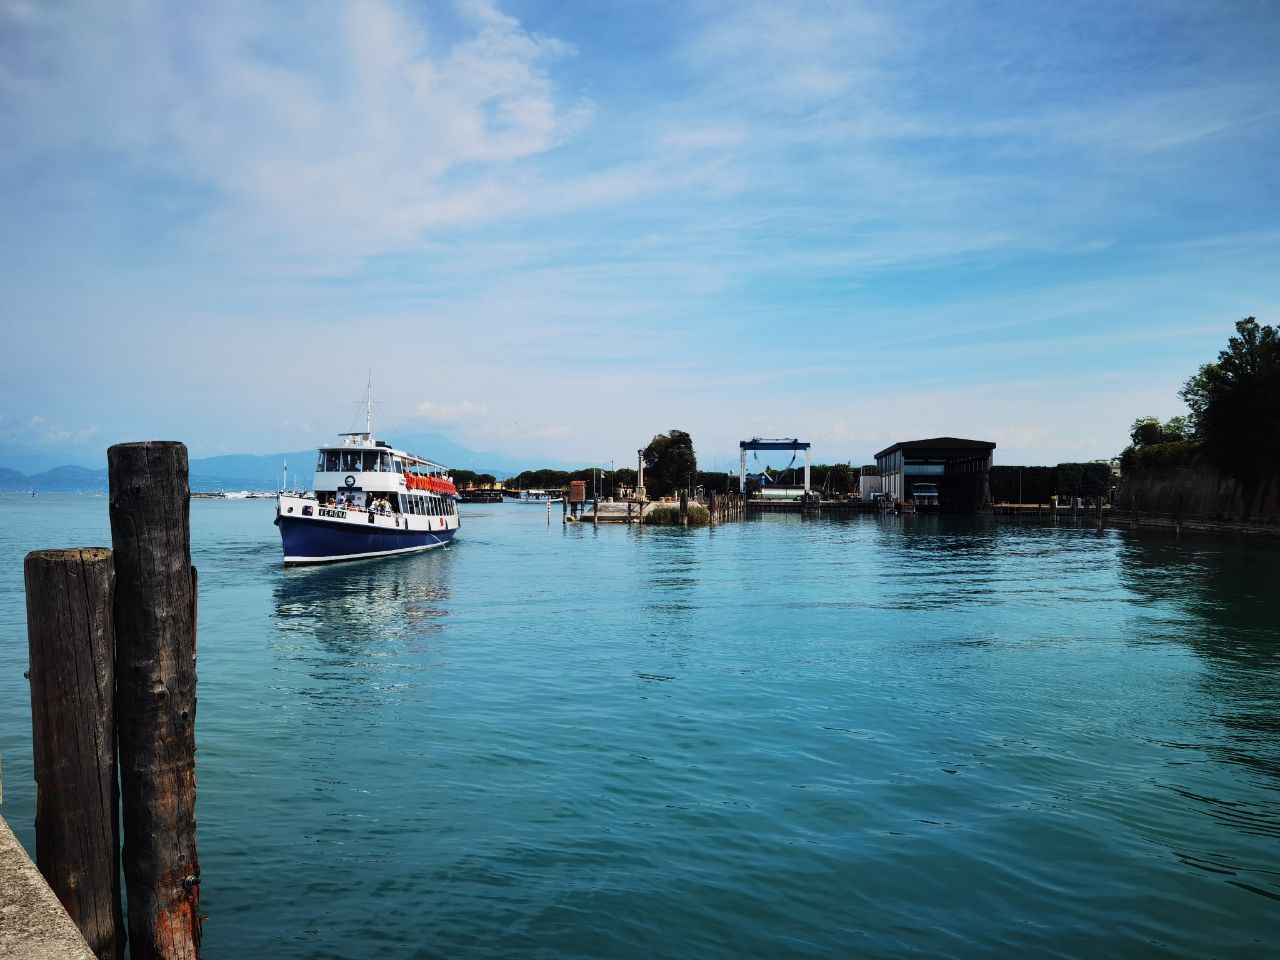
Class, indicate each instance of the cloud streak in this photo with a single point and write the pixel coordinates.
(451, 412)
(391, 130)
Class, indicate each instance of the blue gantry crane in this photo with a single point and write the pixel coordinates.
(760, 443)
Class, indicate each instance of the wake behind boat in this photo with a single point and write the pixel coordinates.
(369, 500)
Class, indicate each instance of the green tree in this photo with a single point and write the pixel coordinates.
(1235, 403)
(717, 480)
(1023, 484)
(469, 479)
(1082, 479)
(1149, 431)
(669, 463)
(538, 479)
(840, 478)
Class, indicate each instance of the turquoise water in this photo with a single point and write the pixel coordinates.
(775, 738)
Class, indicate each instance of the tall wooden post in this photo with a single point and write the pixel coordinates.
(73, 721)
(155, 610)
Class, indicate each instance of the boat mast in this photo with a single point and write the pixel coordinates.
(368, 407)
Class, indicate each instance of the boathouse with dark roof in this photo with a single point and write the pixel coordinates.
(961, 470)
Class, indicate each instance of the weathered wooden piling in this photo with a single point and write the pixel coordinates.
(155, 613)
(73, 720)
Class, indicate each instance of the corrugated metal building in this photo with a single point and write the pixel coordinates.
(961, 470)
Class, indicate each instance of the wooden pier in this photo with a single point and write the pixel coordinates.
(719, 507)
(814, 506)
(1051, 510)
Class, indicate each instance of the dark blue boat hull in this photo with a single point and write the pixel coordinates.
(309, 540)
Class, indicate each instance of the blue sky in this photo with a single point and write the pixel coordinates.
(558, 228)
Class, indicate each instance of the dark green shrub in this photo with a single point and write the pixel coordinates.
(699, 516)
(662, 515)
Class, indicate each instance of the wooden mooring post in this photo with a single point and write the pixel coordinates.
(73, 726)
(155, 622)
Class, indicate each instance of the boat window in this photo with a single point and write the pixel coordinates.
(370, 461)
(396, 465)
(331, 461)
(351, 460)
(320, 460)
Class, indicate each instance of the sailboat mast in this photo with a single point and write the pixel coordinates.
(368, 406)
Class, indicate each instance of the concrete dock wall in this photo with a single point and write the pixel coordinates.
(33, 924)
(1198, 498)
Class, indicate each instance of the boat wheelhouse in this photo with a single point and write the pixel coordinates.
(369, 499)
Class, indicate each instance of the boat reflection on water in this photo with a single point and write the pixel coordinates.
(367, 625)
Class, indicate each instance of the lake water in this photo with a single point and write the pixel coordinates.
(776, 738)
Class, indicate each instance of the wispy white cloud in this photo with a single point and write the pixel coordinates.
(349, 130)
(38, 431)
(451, 412)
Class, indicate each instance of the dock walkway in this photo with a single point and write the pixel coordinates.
(33, 924)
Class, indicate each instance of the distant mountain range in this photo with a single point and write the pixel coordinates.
(245, 471)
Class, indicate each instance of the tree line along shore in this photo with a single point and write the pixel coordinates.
(1221, 459)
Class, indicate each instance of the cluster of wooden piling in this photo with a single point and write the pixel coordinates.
(725, 506)
(112, 647)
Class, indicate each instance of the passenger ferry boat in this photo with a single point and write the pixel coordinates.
(369, 500)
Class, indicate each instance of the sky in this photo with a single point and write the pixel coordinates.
(558, 228)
